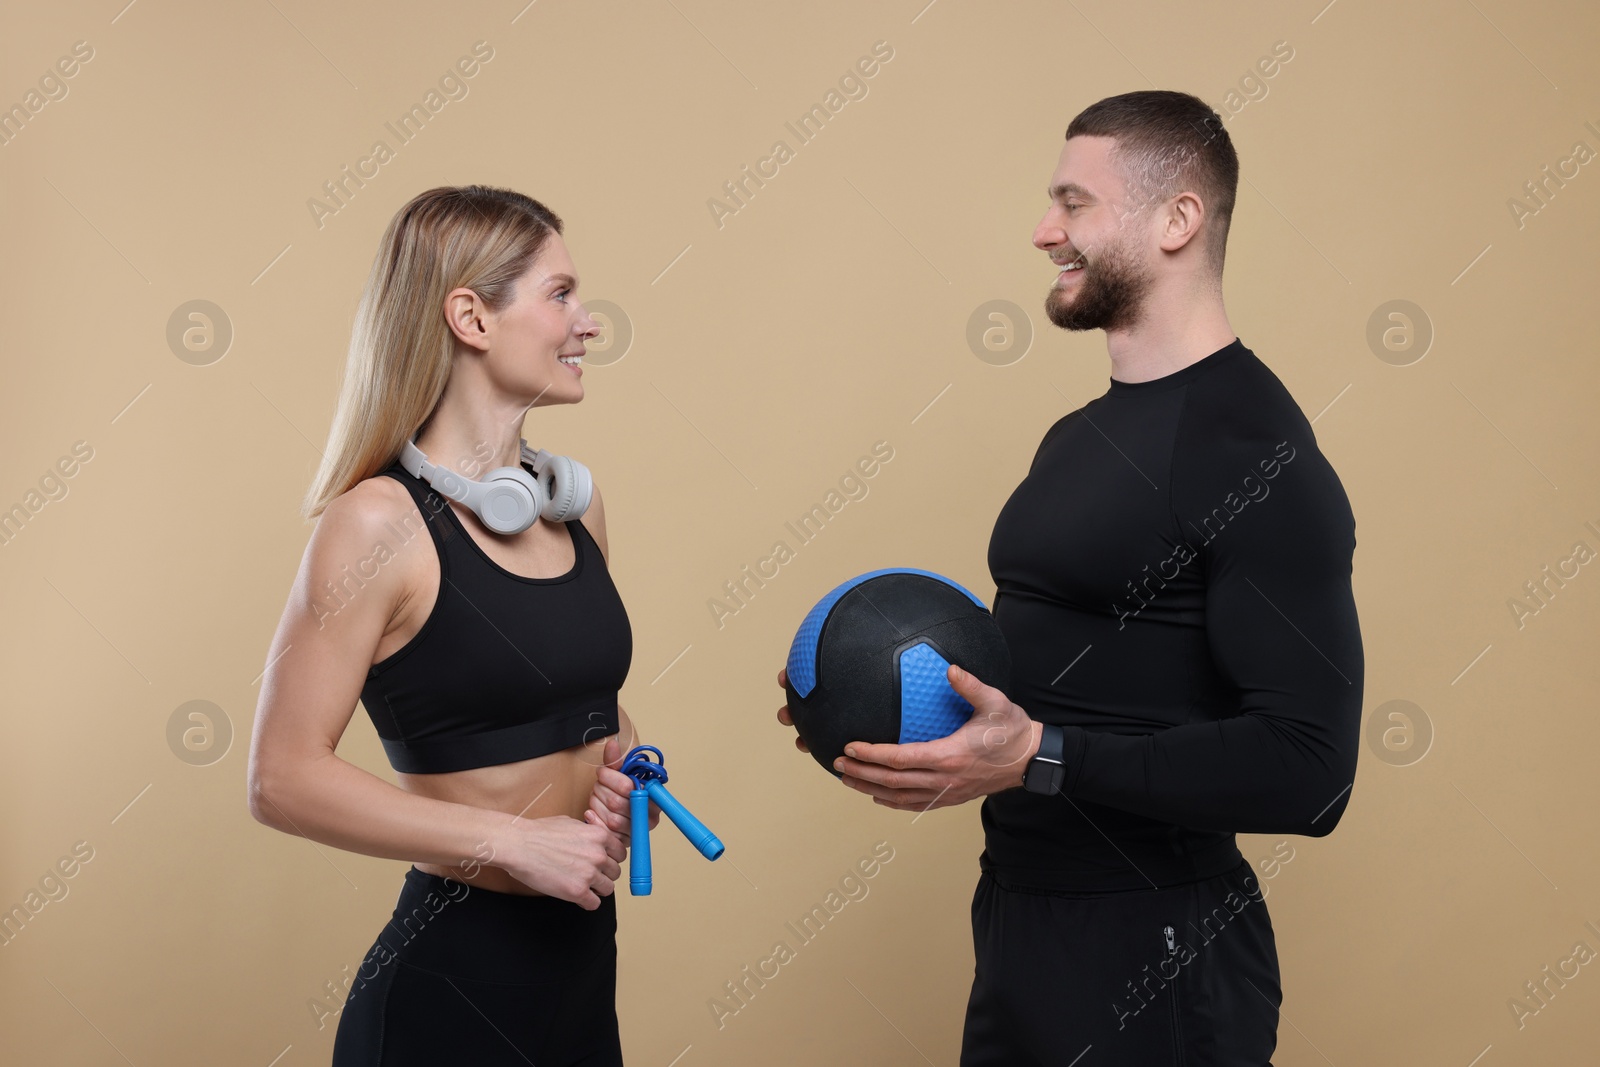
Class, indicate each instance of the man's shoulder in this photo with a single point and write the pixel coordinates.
(1241, 410)
(1241, 431)
(1246, 393)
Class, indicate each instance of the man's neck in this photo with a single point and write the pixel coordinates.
(1160, 345)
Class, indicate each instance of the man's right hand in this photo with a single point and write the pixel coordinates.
(783, 712)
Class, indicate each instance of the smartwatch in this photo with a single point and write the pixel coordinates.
(1047, 770)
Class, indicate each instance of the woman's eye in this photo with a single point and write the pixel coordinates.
(561, 294)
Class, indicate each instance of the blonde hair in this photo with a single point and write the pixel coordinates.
(473, 236)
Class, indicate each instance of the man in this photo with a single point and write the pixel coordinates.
(1173, 580)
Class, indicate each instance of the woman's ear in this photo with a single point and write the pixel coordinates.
(468, 317)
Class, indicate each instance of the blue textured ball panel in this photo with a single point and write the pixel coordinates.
(869, 661)
(802, 664)
(929, 708)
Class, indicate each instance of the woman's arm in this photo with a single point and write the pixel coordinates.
(317, 663)
(609, 800)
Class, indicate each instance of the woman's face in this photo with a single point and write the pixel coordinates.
(544, 325)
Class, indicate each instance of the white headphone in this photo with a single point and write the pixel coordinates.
(508, 499)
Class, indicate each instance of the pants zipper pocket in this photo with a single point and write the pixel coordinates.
(1171, 938)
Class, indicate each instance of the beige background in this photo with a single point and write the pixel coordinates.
(768, 356)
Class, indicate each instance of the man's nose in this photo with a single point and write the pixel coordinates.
(1047, 236)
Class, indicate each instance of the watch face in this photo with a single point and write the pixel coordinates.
(1043, 776)
(1033, 779)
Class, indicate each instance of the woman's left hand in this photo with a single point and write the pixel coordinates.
(610, 797)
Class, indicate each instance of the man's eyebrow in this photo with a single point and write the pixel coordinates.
(1056, 192)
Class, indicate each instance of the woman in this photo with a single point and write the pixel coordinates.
(489, 662)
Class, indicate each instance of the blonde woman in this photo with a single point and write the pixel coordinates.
(477, 623)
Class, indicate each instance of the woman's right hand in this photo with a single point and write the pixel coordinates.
(578, 861)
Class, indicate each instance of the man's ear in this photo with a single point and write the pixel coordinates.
(1181, 221)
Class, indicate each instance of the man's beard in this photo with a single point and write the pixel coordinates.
(1108, 297)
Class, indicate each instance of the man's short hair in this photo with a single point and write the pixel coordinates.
(1167, 143)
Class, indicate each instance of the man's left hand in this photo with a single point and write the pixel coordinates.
(986, 755)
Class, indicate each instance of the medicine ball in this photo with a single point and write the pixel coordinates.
(868, 663)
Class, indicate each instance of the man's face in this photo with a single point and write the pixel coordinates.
(1093, 222)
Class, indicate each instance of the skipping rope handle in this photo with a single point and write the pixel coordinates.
(639, 842)
(649, 785)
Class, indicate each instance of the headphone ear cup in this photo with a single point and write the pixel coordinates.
(569, 487)
(511, 500)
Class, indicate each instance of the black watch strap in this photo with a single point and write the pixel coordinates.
(1047, 770)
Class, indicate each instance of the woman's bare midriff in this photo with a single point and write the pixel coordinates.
(559, 783)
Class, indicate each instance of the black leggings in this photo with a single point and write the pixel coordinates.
(1090, 980)
(468, 975)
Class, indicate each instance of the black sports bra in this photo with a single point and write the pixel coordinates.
(505, 668)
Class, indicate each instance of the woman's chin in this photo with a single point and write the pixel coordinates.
(551, 396)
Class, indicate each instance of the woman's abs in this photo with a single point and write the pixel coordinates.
(558, 784)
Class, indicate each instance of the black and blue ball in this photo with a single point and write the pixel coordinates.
(868, 663)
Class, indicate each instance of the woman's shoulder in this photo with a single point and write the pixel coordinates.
(368, 511)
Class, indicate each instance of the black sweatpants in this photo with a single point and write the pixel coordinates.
(468, 975)
(1185, 975)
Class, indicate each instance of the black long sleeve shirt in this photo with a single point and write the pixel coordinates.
(1173, 580)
